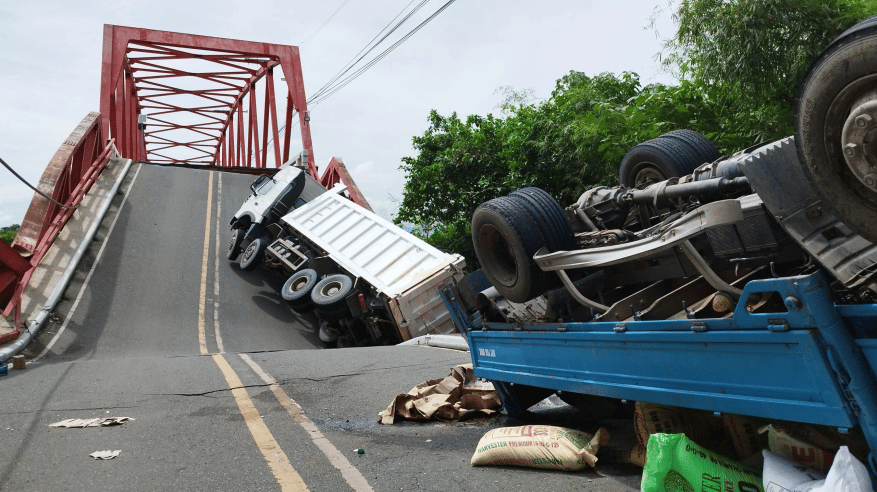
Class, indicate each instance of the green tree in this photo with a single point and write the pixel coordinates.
(566, 144)
(7, 234)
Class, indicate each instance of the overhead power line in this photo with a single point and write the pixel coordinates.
(341, 84)
(9, 168)
(333, 85)
(371, 45)
(308, 39)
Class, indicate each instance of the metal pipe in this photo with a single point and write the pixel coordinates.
(587, 221)
(574, 292)
(663, 194)
(27, 335)
(708, 274)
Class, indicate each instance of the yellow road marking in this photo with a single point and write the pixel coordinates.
(202, 337)
(220, 347)
(286, 476)
(350, 473)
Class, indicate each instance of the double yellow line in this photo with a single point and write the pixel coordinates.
(286, 476)
(282, 469)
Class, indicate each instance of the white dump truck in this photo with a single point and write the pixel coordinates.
(368, 281)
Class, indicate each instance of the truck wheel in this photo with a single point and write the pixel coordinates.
(234, 245)
(297, 290)
(253, 254)
(656, 160)
(328, 295)
(517, 398)
(835, 126)
(705, 150)
(555, 227)
(506, 236)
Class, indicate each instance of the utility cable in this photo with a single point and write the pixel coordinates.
(308, 39)
(338, 86)
(32, 187)
(371, 45)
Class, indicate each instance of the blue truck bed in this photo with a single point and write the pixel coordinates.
(814, 363)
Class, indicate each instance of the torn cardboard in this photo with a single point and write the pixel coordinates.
(460, 395)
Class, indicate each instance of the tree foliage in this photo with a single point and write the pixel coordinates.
(7, 234)
(738, 61)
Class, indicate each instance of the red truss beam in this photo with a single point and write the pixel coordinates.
(200, 93)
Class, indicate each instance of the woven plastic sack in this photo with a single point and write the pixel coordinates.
(674, 463)
(539, 446)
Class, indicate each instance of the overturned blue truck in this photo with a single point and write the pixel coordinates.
(744, 284)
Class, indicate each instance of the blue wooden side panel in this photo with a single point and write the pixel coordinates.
(778, 375)
(815, 362)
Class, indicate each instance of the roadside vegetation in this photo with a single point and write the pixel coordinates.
(738, 63)
(7, 234)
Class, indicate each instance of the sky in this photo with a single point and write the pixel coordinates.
(50, 59)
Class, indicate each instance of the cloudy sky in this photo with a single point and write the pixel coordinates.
(50, 56)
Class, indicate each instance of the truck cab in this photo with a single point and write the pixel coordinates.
(272, 197)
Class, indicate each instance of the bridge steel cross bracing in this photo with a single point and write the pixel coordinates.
(201, 95)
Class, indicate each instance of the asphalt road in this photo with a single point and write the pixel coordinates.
(229, 389)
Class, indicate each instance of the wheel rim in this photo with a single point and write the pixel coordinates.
(299, 284)
(647, 174)
(234, 240)
(856, 107)
(501, 260)
(251, 250)
(331, 288)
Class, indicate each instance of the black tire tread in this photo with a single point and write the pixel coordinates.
(521, 223)
(555, 228)
(702, 145)
(684, 158)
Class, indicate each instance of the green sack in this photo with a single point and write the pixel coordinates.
(674, 463)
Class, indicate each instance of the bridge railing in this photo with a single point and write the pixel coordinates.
(70, 174)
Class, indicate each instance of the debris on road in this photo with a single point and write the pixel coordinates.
(18, 362)
(105, 455)
(98, 422)
(459, 395)
(675, 463)
(540, 446)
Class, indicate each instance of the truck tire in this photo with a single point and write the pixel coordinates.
(297, 290)
(253, 254)
(234, 244)
(506, 236)
(705, 150)
(835, 119)
(656, 160)
(517, 398)
(555, 227)
(329, 294)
